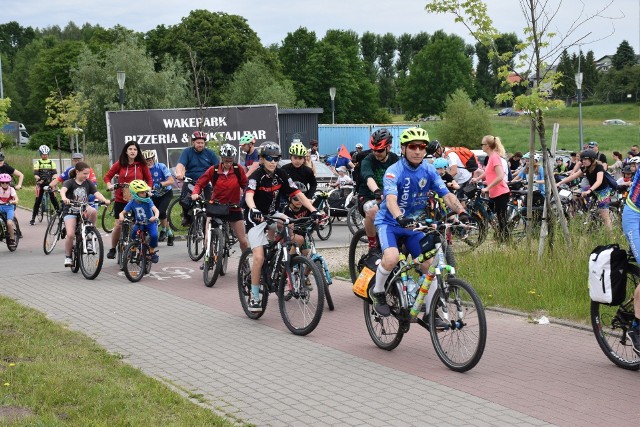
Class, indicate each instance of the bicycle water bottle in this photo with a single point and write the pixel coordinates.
(424, 288)
(412, 288)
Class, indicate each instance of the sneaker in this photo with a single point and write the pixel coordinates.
(380, 304)
(68, 262)
(112, 253)
(441, 325)
(170, 240)
(255, 305)
(12, 244)
(634, 336)
(162, 236)
(32, 222)
(155, 258)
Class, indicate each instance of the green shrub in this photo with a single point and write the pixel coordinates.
(49, 138)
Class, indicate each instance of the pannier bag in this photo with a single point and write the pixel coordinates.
(607, 274)
(366, 278)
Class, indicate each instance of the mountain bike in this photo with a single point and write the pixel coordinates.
(355, 221)
(455, 320)
(610, 323)
(296, 279)
(55, 231)
(107, 219)
(195, 236)
(4, 231)
(87, 254)
(137, 255)
(220, 238)
(47, 209)
(318, 260)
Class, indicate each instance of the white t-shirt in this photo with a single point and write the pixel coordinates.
(463, 175)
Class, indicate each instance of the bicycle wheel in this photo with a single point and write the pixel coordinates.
(213, 263)
(327, 293)
(465, 239)
(174, 215)
(357, 250)
(91, 261)
(16, 233)
(355, 221)
(75, 258)
(301, 296)
(108, 219)
(226, 248)
(195, 238)
(43, 206)
(134, 261)
(52, 234)
(386, 332)
(148, 262)
(461, 344)
(50, 211)
(326, 224)
(244, 286)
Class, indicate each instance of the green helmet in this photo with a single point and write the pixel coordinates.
(413, 134)
(247, 139)
(298, 149)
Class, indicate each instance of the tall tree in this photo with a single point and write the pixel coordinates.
(295, 55)
(369, 52)
(624, 56)
(14, 37)
(405, 54)
(387, 53)
(590, 74)
(567, 80)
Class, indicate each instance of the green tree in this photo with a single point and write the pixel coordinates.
(436, 72)
(590, 74)
(255, 83)
(405, 54)
(14, 37)
(387, 53)
(295, 55)
(465, 122)
(369, 51)
(567, 77)
(615, 85)
(624, 56)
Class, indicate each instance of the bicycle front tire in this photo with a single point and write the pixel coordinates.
(43, 207)
(355, 221)
(91, 263)
(327, 292)
(108, 219)
(52, 234)
(459, 346)
(301, 305)
(195, 238)
(213, 263)
(134, 261)
(244, 286)
(326, 224)
(357, 249)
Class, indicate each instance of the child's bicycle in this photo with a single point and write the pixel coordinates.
(610, 323)
(4, 231)
(87, 254)
(297, 281)
(456, 319)
(137, 257)
(125, 238)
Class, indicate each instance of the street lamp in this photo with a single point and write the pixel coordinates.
(332, 94)
(121, 78)
(579, 86)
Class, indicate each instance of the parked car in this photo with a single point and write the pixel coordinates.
(324, 174)
(509, 112)
(615, 122)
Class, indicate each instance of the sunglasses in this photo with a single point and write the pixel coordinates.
(417, 146)
(272, 158)
(295, 199)
(382, 150)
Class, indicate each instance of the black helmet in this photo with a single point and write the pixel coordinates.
(269, 148)
(380, 139)
(589, 154)
(433, 146)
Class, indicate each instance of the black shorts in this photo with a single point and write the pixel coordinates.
(361, 202)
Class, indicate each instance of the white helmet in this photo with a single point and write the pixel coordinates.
(358, 145)
(43, 149)
(537, 157)
(634, 159)
(228, 150)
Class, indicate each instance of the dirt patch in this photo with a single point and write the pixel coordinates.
(14, 413)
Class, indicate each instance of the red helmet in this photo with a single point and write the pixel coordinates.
(380, 139)
(198, 135)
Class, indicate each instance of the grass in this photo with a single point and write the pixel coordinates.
(65, 378)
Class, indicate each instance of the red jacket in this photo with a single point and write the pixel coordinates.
(127, 174)
(227, 188)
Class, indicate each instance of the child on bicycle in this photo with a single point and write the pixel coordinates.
(8, 202)
(143, 209)
(78, 188)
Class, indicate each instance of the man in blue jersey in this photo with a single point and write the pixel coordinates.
(631, 228)
(406, 187)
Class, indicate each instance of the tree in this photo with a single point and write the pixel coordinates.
(369, 51)
(68, 113)
(624, 56)
(387, 52)
(436, 72)
(465, 122)
(567, 88)
(295, 55)
(590, 74)
(255, 83)
(14, 37)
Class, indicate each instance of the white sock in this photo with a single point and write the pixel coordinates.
(381, 278)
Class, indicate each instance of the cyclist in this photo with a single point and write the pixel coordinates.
(161, 194)
(75, 158)
(193, 162)
(314, 154)
(406, 187)
(227, 181)
(298, 171)
(372, 169)
(442, 166)
(261, 198)
(143, 210)
(44, 171)
(129, 167)
(8, 202)
(631, 229)
(456, 167)
(78, 188)
(356, 152)
(598, 186)
(251, 160)
(5, 168)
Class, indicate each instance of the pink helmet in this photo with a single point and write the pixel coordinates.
(5, 177)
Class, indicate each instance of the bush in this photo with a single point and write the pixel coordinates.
(49, 138)
(465, 122)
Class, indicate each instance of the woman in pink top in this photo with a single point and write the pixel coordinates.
(496, 186)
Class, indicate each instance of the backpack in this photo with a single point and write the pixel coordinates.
(215, 174)
(607, 274)
(611, 181)
(467, 157)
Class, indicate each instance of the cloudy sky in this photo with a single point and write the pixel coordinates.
(273, 19)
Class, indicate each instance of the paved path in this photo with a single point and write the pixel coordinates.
(174, 328)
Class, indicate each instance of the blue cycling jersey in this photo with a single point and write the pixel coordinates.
(633, 199)
(411, 186)
(160, 173)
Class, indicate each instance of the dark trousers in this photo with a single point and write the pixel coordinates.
(500, 205)
(52, 197)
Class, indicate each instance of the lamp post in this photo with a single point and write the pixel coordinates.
(121, 77)
(579, 87)
(332, 94)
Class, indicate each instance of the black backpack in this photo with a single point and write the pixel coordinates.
(236, 169)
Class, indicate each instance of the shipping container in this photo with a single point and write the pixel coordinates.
(331, 137)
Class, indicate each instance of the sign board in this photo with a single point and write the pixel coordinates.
(169, 131)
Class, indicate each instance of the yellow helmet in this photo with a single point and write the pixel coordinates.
(138, 186)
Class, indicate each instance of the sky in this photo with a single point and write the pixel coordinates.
(273, 19)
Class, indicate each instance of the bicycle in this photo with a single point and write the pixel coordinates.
(221, 239)
(460, 339)
(46, 206)
(610, 323)
(195, 236)
(107, 219)
(355, 220)
(321, 203)
(125, 238)
(4, 231)
(87, 254)
(296, 280)
(55, 231)
(319, 261)
(137, 256)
